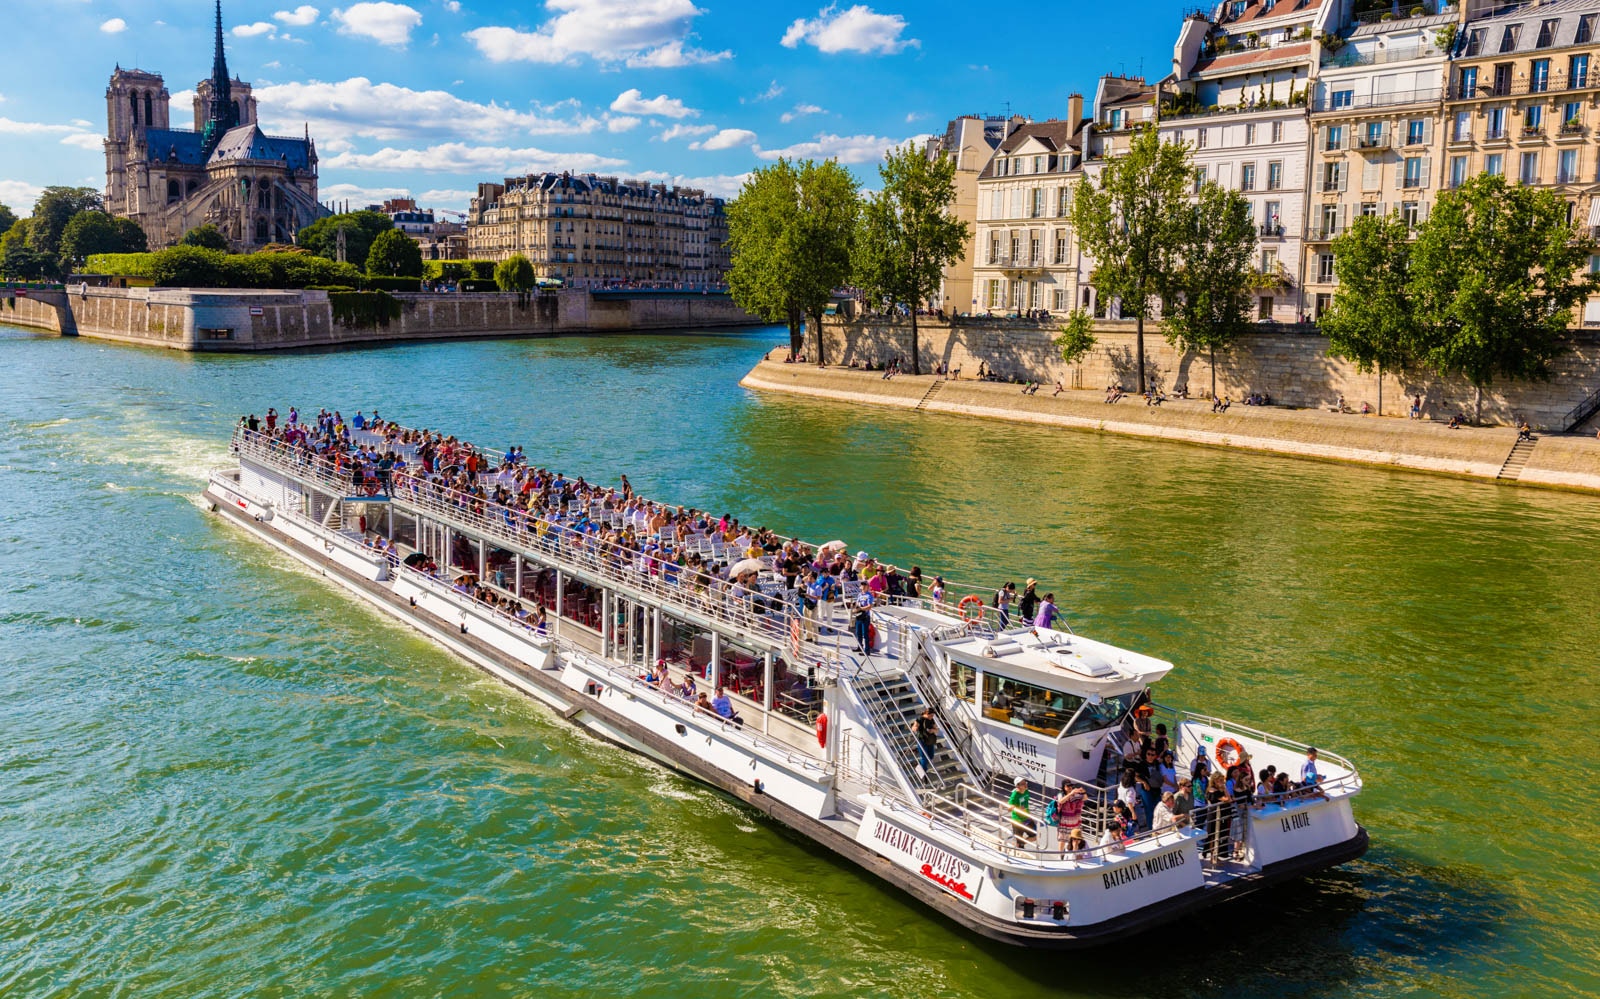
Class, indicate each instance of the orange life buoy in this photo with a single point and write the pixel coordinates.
(822, 730)
(971, 600)
(1233, 749)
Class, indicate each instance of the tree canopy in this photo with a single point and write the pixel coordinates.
(790, 232)
(1124, 222)
(8, 218)
(1496, 273)
(55, 208)
(1207, 292)
(394, 254)
(94, 231)
(1373, 321)
(17, 258)
(206, 236)
(515, 273)
(907, 234)
(360, 229)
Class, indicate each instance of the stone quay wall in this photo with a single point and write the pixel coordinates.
(239, 320)
(1293, 368)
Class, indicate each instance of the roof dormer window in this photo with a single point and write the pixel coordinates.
(1508, 41)
(1547, 33)
(1585, 29)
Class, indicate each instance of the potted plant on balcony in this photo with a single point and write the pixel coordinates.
(1573, 124)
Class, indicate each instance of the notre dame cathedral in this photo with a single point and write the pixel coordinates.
(255, 188)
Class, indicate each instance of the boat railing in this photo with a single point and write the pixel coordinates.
(988, 622)
(620, 674)
(575, 551)
(1348, 780)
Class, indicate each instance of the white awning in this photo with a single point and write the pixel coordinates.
(1594, 210)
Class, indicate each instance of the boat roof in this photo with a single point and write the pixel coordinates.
(1058, 660)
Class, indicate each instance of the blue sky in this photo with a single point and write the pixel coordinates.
(429, 97)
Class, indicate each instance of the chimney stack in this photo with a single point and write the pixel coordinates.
(1074, 109)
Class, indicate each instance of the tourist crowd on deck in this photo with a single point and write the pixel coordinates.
(747, 570)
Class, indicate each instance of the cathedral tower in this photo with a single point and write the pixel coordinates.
(223, 113)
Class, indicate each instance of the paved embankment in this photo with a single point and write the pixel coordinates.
(1564, 461)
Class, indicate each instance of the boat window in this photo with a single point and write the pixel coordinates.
(1107, 713)
(963, 680)
(741, 670)
(1037, 709)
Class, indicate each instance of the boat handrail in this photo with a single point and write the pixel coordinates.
(991, 615)
(1179, 715)
(442, 589)
(568, 549)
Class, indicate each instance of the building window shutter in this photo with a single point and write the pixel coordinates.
(1322, 137)
(1344, 176)
(1371, 175)
(1427, 130)
(1427, 170)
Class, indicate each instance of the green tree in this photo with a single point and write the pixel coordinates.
(790, 231)
(360, 229)
(54, 209)
(1124, 222)
(17, 258)
(1076, 337)
(94, 231)
(1496, 273)
(1373, 318)
(1208, 289)
(8, 218)
(394, 254)
(189, 267)
(907, 234)
(515, 273)
(207, 237)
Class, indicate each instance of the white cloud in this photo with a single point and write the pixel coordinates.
(19, 195)
(622, 123)
(800, 111)
(681, 131)
(850, 150)
(10, 127)
(445, 198)
(459, 157)
(358, 194)
(274, 64)
(633, 102)
(183, 99)
(673, 55)
(115, 25)
(772, 93)
(912, 116)
(384, 111)
(858, 29)
(251, 30)
(641, 33)
(383, 22)
(728, 138)
(299, 17)
(83, 140)
(453, 6)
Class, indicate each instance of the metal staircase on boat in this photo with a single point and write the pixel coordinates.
(893, 704)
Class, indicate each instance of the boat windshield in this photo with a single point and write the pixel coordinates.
(1037, 709)
(1093, 716)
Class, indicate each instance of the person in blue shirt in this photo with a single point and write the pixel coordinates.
(359, 421)
(724, 707)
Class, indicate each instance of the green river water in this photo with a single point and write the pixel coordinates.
(221, 777)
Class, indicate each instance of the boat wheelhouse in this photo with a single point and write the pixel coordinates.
(822, 734)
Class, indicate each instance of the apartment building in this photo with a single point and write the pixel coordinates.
(1026, 256)
(1377, 135)
(594, 232)
(970, 140)
(1522, 97)
(1240, 81)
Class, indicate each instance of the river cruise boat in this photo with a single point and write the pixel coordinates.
(575, 604)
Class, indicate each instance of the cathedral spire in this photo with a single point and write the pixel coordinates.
(221, 114)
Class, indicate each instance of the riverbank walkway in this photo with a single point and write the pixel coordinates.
(1560, 460)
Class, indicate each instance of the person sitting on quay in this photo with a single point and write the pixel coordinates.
(1524, 432)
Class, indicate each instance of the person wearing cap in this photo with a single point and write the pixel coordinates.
(1029, 605)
